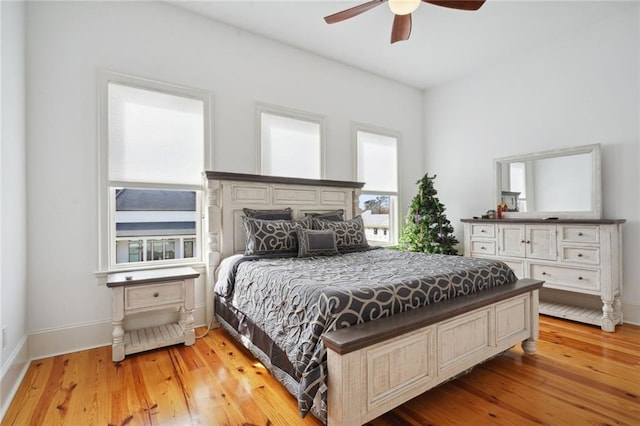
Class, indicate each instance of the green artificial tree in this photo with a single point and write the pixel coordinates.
(427, 228)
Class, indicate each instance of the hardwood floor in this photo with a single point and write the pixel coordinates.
(579, 376)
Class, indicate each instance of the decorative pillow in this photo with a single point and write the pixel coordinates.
(284, 214)
(316, 243)
(332, 215)
(277, 237)
(350, 234)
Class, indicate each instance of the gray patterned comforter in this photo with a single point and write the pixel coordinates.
(296, 300)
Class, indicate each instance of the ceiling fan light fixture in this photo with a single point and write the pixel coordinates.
(403, 7)
(402, 10)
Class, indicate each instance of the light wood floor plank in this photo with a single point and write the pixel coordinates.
(579, 375)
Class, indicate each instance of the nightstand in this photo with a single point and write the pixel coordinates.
(151, 290)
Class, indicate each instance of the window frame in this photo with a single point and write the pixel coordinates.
(106, 188)
(293, 114)
(394, 200)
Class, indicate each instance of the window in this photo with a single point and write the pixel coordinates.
(136, 249)
(377, 167)
(154, 139)
(151, 223)
(290, 143)
(188, 247)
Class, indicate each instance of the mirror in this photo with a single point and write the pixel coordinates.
(563, 183)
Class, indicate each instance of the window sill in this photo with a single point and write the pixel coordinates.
(101, 276)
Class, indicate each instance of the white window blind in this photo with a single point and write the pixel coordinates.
(155, 137)
(290, 147)
(377, 162)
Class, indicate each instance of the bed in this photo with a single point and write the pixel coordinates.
(355, 333)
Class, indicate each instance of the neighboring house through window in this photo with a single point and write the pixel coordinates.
(154, 140)
(291, 143)
(154, 224)
(377, 167)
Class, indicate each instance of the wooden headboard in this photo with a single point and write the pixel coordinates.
(228, 193)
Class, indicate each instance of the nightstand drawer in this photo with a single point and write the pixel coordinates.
(136, 297)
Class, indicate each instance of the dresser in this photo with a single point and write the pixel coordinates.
(140, 292)
(570, 256)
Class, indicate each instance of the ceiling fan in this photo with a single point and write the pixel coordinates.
(402, 10)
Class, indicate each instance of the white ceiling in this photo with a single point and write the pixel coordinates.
(445, 44)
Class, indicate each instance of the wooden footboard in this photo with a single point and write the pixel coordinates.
(376, 366)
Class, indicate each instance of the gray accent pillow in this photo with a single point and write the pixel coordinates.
(282, 214)
(350, 234)
(271, 237)
(313, 242)
(332, 215)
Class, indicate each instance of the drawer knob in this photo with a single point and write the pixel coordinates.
(580, 234)
(482, 248)
(580, 278)
(579, 254)
(544, 273)
(482, 230)
(156, 294)
(522, 241)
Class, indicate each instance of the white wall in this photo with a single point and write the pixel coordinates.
(68, 42)
(580, 90)
(13, 207)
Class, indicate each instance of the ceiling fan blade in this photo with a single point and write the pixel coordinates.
(354, 11)
(461, 5)
(401, 28)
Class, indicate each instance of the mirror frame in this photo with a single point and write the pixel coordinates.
(596, 184)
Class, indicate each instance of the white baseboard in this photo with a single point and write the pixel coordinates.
(631, 313)
(64, 340)
(12, 374)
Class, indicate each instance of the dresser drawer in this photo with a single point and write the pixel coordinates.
(580, 234)
(483, 230)
(564, 277)
(483, 247)
(144, 296)
(586, 255)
